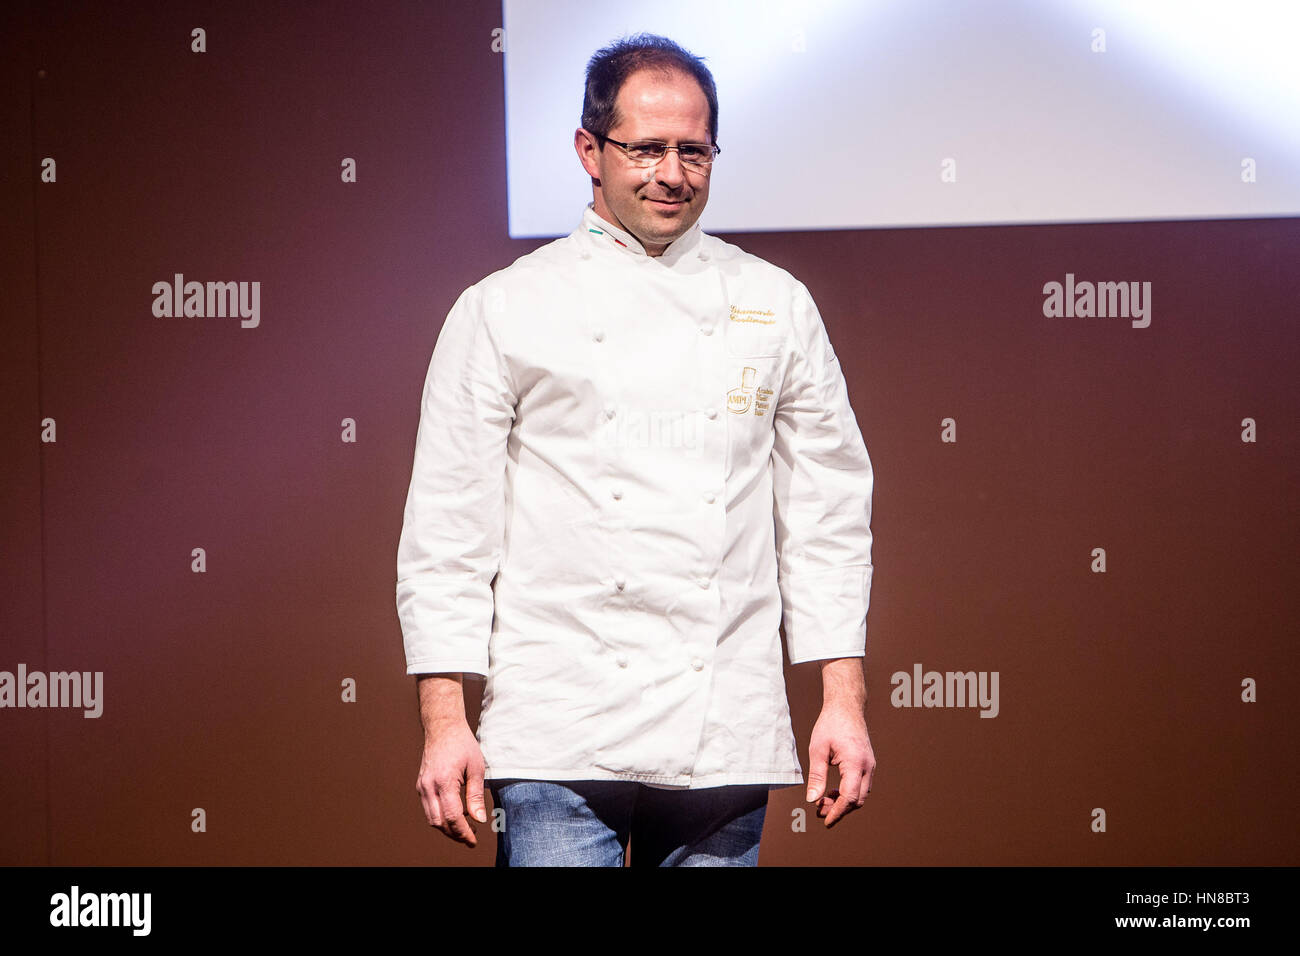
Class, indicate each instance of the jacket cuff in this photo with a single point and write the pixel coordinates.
(448, 665)
(825, 613)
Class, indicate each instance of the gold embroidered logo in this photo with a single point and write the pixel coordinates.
(746, 396)
(754, 316)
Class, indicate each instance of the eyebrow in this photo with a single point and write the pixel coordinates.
(664, 142)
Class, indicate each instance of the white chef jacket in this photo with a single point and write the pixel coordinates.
(629, 470)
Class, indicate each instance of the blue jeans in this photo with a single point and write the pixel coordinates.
(589, 823)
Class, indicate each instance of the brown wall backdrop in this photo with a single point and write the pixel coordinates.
(1119, 690)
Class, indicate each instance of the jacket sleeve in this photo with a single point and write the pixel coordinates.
(454, 522)
(821, 482)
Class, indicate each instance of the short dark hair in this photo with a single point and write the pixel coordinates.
(610, 67)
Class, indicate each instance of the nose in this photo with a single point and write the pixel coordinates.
(670, 172)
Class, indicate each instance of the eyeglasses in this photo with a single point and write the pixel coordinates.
(651, 153)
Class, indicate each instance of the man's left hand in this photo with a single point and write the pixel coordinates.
(840, 738)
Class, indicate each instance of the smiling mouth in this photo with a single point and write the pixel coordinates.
(668, 203)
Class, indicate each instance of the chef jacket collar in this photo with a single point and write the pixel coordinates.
(603, 234)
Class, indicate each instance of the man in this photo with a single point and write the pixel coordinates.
(635, 457)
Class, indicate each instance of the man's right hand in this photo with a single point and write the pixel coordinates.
(452, 759)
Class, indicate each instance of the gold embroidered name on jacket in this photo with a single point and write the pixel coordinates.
(629, 472)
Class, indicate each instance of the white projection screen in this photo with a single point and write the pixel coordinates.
(839, 114)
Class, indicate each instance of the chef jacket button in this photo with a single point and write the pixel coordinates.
(710, 497)
(609, 412)
(711, 413)
(706, 329)
(621, 660)
(703, 582)
(617, 493)
(599, 335)
(620, 583)
(698, 664)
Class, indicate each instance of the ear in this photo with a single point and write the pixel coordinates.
(588, 149)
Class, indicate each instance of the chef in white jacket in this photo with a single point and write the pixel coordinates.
(635, 460)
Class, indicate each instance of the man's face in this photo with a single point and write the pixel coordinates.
(657, 203)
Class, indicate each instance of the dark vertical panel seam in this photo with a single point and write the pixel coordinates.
(33, 172)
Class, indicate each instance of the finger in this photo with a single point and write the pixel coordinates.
(846, 800)
(851, 785)
(867, 779)
(825, 803)
(429, 801)
(455, 823)
(818, 766)
(474, 794)
(843, 804)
